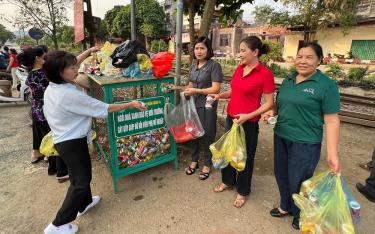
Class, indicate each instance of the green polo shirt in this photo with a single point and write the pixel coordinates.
(301, 107)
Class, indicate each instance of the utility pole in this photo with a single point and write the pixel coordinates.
(132, 16)
(180, 8)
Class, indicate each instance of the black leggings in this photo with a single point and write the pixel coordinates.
(40, 129)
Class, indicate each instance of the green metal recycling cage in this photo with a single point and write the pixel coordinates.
(131, 141)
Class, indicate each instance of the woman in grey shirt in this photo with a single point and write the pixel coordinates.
(205, 77)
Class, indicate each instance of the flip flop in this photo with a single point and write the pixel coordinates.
(36, 160)
(239, 202)
(218, 188)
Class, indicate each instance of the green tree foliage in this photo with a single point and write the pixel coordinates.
(102, 32)
(150, 19)
(335, 71)
(275, 53)
(110, 16)
(47, 15)
(25, 41)
(5, 34)
(266, 15)
(66, 35)
(311, 15)
(158, 45)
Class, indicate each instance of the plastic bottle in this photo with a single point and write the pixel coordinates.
(355, 207)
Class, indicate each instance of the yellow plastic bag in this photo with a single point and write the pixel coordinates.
(230, 148)
(47, 148)
(324, 207)
(144, 62)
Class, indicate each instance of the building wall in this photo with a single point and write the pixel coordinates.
(332, 40)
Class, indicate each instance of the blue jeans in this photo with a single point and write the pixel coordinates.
(294, 163)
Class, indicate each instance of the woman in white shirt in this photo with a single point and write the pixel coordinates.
(69, 113)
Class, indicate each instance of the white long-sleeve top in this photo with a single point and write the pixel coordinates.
(69, 111)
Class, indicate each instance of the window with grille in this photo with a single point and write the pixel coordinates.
(225, 39)
(363, 49)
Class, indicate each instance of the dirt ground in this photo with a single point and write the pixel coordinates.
(161, 199)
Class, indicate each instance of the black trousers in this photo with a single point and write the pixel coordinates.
(242, 179)
(370, 182)
(75, 155)
(208, 119)
(57, 165)
(294, 163)
(40, 129)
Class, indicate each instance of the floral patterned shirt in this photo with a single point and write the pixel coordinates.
(37, 81)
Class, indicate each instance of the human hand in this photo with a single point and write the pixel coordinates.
(175, 87)
(215, 96)
(267, 115)
(95, 48)
(190, 91)
(241, 118)
(138, 105)
(334, 164)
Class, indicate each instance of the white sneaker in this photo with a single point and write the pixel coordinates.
(95, 201)
(63, 229)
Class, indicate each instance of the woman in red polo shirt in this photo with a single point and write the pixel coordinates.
(250, 82)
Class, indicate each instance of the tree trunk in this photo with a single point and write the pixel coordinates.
(146, 43)
(208, 12)
(191, 5)
(54, 38)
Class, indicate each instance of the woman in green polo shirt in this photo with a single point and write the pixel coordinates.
(306, 101)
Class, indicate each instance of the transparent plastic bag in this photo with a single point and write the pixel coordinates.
(230, 148)
(132, 71)
(324, 206)
(183, 120)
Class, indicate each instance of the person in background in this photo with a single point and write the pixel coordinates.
(69, 113)
(43, 47)
(251, 81)
(370, 164)
(306, 100)
(368, 190)
(205, 77)
(33, 59)
(5, 52)
(12, 67)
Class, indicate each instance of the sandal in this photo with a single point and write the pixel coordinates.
(36, 160)
(364, 166)
(239, 201)
(222, 187)
(204, 175)
(190, 170)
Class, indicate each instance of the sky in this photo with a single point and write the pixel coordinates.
(100, 7)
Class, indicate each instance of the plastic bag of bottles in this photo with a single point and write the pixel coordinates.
(183, 120)
(324, 205)
(162, 63)
(230, 148)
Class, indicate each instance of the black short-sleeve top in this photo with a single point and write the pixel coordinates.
(203, 77)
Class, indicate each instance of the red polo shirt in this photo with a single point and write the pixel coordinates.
(247, 91)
